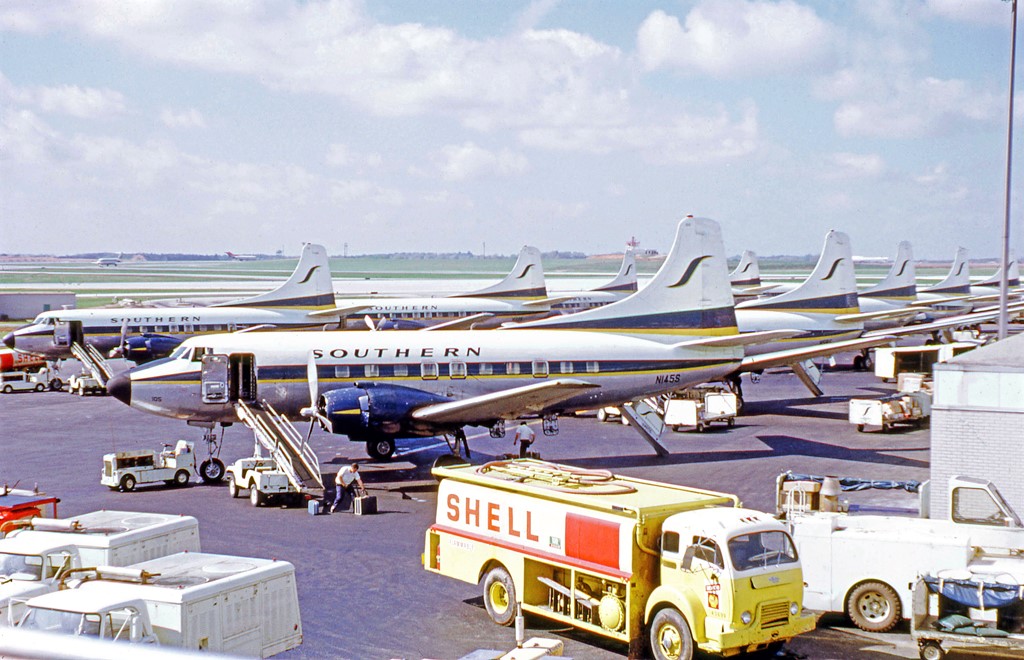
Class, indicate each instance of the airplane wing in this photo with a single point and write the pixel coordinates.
(903, 312)
(794, 355)
(503, 404)
(345, 310)
(459, 324)
(741, 339)
(959, 321)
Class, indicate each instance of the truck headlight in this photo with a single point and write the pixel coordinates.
(746, 617)
(794, 608)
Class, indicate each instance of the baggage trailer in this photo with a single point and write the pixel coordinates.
(890, 362)
(864, 565)
(193, 601)
(624, 558)
(972, 613)
(914, 408)
(699, 407)
(36, 556)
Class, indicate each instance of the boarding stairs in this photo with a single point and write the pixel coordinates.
(286, 445)
(646, 416)
(94, 361)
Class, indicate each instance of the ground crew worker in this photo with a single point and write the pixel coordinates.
(345, 485)
(524, 438)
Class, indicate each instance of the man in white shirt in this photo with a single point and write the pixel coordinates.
(524, 438)
(345, 485)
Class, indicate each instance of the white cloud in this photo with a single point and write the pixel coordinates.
(900, 106)
(70, 100)
(338, 155)
(858, 165)
(190, 118)
(458, 162)
(730, 38)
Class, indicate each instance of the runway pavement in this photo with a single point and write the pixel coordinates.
(363, 592)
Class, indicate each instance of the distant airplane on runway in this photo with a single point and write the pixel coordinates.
(109, 261)
(241, 257)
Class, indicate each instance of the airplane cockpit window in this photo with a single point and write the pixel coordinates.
(179, 352)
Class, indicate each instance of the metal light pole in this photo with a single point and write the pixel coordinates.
(1003, 284)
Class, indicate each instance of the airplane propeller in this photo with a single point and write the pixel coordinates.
(121, 350)
(314, 392)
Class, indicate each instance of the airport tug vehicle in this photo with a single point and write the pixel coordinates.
(17, 504)
(620, 557)
(124, 470)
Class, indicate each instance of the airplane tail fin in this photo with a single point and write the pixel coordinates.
(1012, 280)
(625, 280)
(748, 272)
(689, 296)
(831, 287)
(958, 281)
(525, 282)
(901, 281)
(309, 287)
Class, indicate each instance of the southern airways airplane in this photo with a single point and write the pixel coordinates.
(305, 300)
(375, 387)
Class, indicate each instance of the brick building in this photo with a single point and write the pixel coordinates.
(978, 422)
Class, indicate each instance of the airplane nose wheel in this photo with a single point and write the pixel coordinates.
(212, 469)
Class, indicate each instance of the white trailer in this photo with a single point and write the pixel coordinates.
(194, 601)
(890, 362)
(866, 565)
(34, 558)
(900, 408)
(699, 407)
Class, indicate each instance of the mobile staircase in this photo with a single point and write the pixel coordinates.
(286, 445)
(94, 361)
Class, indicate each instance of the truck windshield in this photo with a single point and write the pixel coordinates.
(58, 621)
(20, 567)
(760, 550)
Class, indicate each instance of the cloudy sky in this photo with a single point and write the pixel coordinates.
(444, 125)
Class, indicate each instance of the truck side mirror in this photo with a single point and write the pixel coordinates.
(688, 558)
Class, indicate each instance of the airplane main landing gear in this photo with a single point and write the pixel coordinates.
(550, 425)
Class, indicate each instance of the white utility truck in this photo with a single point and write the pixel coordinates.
(124, 470)
(194, 601)
(19, 381)
(35, 557)
(619, 557)
(865, 565)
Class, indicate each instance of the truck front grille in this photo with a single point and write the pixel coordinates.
(774, 614)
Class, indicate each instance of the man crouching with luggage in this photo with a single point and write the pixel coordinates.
(345, 485)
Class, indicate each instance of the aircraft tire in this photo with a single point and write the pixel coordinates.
(56, 385)
(380, 449)
(212, 470)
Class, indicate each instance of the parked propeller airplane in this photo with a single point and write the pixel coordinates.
(305, 300)
(376, 387)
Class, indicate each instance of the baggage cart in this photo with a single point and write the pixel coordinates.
(970, 613)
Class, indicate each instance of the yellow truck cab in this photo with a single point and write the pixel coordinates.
(625, 558)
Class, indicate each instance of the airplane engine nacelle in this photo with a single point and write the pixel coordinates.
(143, 348)
(370, 409)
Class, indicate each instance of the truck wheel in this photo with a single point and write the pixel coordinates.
(380, 449)
(670, 636)
(874, 607)
(255, 496)
(931, 651)
(8, 389)
(500, 596)
(40, 387)
(233, 489)
(181, 478)
(212, 470)
(860, 428)
(127, 483)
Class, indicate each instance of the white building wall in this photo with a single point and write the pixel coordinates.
(978, 425)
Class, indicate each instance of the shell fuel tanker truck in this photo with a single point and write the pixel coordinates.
(625, 558)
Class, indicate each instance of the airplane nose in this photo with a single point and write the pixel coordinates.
(9, 340)
(120, 387)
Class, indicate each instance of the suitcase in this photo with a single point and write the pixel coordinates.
(365, 505)
(315, 507)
